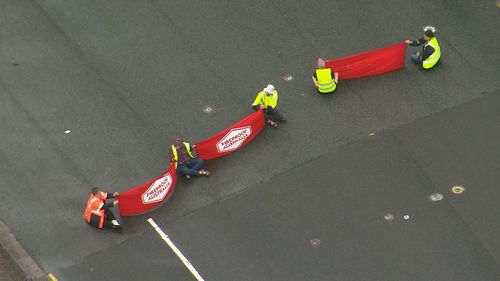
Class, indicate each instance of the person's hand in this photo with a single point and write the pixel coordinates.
(262, 106)
(115, 194)
(115, 202)
(408, 42)
(194, 145)
(315, 82)
(418, 54)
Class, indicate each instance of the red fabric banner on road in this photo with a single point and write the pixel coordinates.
(370, 63)
(232, 138)
(149, 195)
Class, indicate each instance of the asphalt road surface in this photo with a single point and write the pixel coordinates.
(305, 201)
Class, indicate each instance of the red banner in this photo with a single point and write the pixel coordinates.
(153, 193)
(370, 63)
(148, 195)
(232, 138)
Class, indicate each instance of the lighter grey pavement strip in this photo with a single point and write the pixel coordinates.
(176, 250)
(21, 260)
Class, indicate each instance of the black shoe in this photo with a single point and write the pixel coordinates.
(116, 226)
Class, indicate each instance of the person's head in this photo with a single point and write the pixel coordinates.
(178, 142)
(96, 191)
(269, 90)
(320, 63)
(428, 33)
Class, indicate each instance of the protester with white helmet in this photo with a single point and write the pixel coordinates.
(267, 100)
(431, 51)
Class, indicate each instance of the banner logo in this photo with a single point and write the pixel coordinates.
(158, 190)
(234, 139)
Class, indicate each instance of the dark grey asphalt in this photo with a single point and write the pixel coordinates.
(127, 77)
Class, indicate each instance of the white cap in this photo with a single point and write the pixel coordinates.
(269, 89)
(431, 28)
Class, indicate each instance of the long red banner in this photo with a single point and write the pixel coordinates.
(153, 193)
(149, 195)
(232, 138)
(369, 63)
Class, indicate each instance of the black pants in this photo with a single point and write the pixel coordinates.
(274, 115)
(108, 217)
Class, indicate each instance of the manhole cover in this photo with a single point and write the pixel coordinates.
(458, 189)
(436, 197)
(315, 242)
(389, 217)
(208, 109)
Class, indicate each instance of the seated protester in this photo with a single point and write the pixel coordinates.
(267, 100)
(324, 79)
(98, 212)
(431, 51)
(186, 162)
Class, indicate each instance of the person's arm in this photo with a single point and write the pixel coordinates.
(109, 195)
(315, 79)
(108, 205)
(257, 102)
(336, 75)
(193, 151)
(273, 102)
(428, 51)
(416, 42)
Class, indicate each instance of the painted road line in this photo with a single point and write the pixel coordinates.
(176, 251)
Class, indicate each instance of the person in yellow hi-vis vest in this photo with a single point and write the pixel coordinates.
(325, 79)
(431, 51)
(267, 100)
(184, 157)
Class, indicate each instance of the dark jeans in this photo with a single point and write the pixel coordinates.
(191, 168)
(274, 115)
(416, 60)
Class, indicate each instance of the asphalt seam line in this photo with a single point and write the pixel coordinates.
(175, 250)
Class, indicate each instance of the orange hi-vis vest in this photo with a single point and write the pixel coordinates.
(94, 207)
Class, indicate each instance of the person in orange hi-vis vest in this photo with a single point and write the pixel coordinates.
(98, 212)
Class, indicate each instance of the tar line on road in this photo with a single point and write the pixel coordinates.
(176, 251)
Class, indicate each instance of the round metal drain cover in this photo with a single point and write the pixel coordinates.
(315, 242)
(389, 217)
(208, 109)
(458, 189)
(436, 197)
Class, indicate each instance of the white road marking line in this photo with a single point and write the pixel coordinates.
(176, 251)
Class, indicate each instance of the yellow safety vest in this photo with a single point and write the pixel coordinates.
(174, 151)
(266, 100)
(434, 58)
(326, 84)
